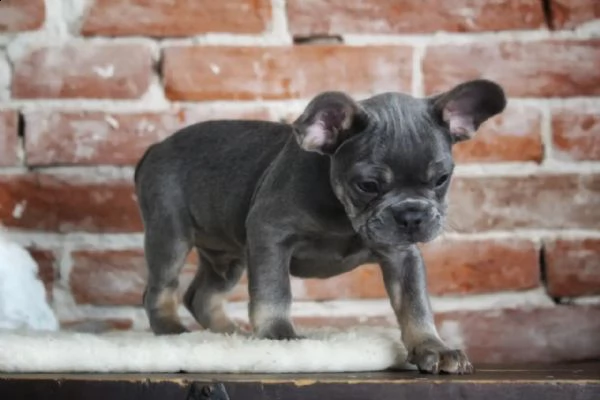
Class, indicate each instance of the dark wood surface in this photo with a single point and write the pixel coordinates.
(548, 382)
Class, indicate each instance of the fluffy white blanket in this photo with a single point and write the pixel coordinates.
(358, 349)
(22, 295)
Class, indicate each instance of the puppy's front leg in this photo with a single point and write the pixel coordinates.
(270, 290)
(405, 281)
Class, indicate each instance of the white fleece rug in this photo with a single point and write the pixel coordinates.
(357, 349)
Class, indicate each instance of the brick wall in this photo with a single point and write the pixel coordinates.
(86, 86)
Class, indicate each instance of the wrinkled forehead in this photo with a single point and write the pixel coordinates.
(411, 137)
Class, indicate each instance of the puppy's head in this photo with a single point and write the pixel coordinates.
(391, 154)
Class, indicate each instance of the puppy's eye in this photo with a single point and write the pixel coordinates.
(442, 179)
(370, 187)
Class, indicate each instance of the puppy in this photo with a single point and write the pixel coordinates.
(348, 183)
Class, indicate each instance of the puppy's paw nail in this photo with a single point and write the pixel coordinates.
(441, 361)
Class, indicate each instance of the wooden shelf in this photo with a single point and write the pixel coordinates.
(547, 382)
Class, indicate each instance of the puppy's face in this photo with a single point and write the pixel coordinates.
(391, 155)
(393, 177)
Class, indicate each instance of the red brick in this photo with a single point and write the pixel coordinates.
(114, 277)
(249, 73)
(64, 203)
(524, 202)
(160, 18)
(569, 14)
(47, 267)
(344, 322)
(331, 17)
(94, 137)
(481, 266)
(576, 132)
(573, 267)
(526, 69)
(9, 140)
(513, 135)
(542, 335)
(90, 325)
(108, 277)
(364, 282)
(97, 71)
(19, 15)
(453, 267)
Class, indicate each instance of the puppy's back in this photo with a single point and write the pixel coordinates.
(211, 170)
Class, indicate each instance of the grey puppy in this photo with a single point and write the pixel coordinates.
(348, 183)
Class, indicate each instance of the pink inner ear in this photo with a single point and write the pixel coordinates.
(316, 136)
(461, 125)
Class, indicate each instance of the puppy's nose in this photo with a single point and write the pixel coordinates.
(410, 219)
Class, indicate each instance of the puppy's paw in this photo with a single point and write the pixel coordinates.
(168, 327)
(279, 330)
(435, 359)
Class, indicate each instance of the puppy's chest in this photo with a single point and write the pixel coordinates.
(324, 257)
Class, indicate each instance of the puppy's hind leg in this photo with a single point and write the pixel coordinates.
(216, 276)
(166, 249)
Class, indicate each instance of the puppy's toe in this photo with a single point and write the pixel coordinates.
(427, 361)
(435, 360)
(455, 362)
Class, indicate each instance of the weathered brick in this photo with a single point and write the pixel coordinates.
(525, 335)
(317, 322)
(181, 18)
(114, 277)
(513, 135)
(569, 14)
(481, 266)
(9, 140)
(334, 17)
(19, 15)
(576, 132)
(97, 71)
(546, 201)
(90, 325)
(46, 261)
(65, 203)
(108, 277)
(94, 137)
(454, 267)
(573, 267)
(364, 282)
(525, 69)
(248, 73)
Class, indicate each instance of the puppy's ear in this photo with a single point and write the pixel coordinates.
(465, 107)
(328, 120)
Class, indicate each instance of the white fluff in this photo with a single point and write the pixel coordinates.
(22, 295)
(351, 350)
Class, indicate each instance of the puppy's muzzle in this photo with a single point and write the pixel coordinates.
(413, 216)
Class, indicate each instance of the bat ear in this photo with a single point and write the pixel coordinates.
(465, 107)
(328, 120)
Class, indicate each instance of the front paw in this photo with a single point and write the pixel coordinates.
(278, 330)
(435, 358)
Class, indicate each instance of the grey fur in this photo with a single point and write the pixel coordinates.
(279, 200)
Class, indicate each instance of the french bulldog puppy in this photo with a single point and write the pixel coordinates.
(349, 182)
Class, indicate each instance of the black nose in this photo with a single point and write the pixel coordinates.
(410, 220)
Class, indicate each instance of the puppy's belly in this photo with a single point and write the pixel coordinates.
(326, 267)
